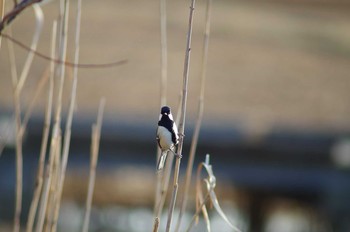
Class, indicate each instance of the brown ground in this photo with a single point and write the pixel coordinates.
(269, 63)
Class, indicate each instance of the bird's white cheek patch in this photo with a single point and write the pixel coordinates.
(171, 117)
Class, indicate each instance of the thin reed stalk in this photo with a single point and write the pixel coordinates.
(39, 18)
(48, 174)
(159, 194)
(67, 136)
(17, 88)
(162, 180)
(63, 36)
(156, 224)
(95, 140)
(166, 173)
(44, 143)
(182, 117)
(199, 115)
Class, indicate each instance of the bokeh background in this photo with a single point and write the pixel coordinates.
(276, 120)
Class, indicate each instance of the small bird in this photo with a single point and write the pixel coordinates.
(167, 135)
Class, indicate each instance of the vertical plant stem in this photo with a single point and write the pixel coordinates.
(164, 184)
(62, 54)
(19, 164)
(164, 53)
(156, 224)
(163, 92)
(182, 116)
(46, 130)
(39, 17)
(199, 115)
(47, 176)
(17, 88)
(95, 140)
(67, 136)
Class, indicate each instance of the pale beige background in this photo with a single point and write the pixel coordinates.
(270, 63)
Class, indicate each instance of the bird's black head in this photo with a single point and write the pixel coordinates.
(165, 110)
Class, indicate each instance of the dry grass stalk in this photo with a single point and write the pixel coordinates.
(156, 224)
(39, 18)
(164, 52)
(165, 174)
(17, 88)
(37, 92)
(95, 140)
(46, 130)
(210, 184)
(63, 36)
(199, 114)
(182, 116)
(163, 90)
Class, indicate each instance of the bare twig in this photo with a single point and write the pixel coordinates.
(59, 61)
(182, 117)
(95, 140)
(2, 8)
(199, 115)
(18, 8)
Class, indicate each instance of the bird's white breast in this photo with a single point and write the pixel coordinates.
(164, 136)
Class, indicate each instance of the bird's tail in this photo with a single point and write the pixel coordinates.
(162, 160)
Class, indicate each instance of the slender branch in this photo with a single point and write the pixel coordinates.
(2, 8)
(18, 8)
(199, 115)
(60, 61)
(182, 116)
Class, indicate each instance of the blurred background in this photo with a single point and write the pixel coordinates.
(276, 119)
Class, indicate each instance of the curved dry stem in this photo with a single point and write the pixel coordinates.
(210, 182)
